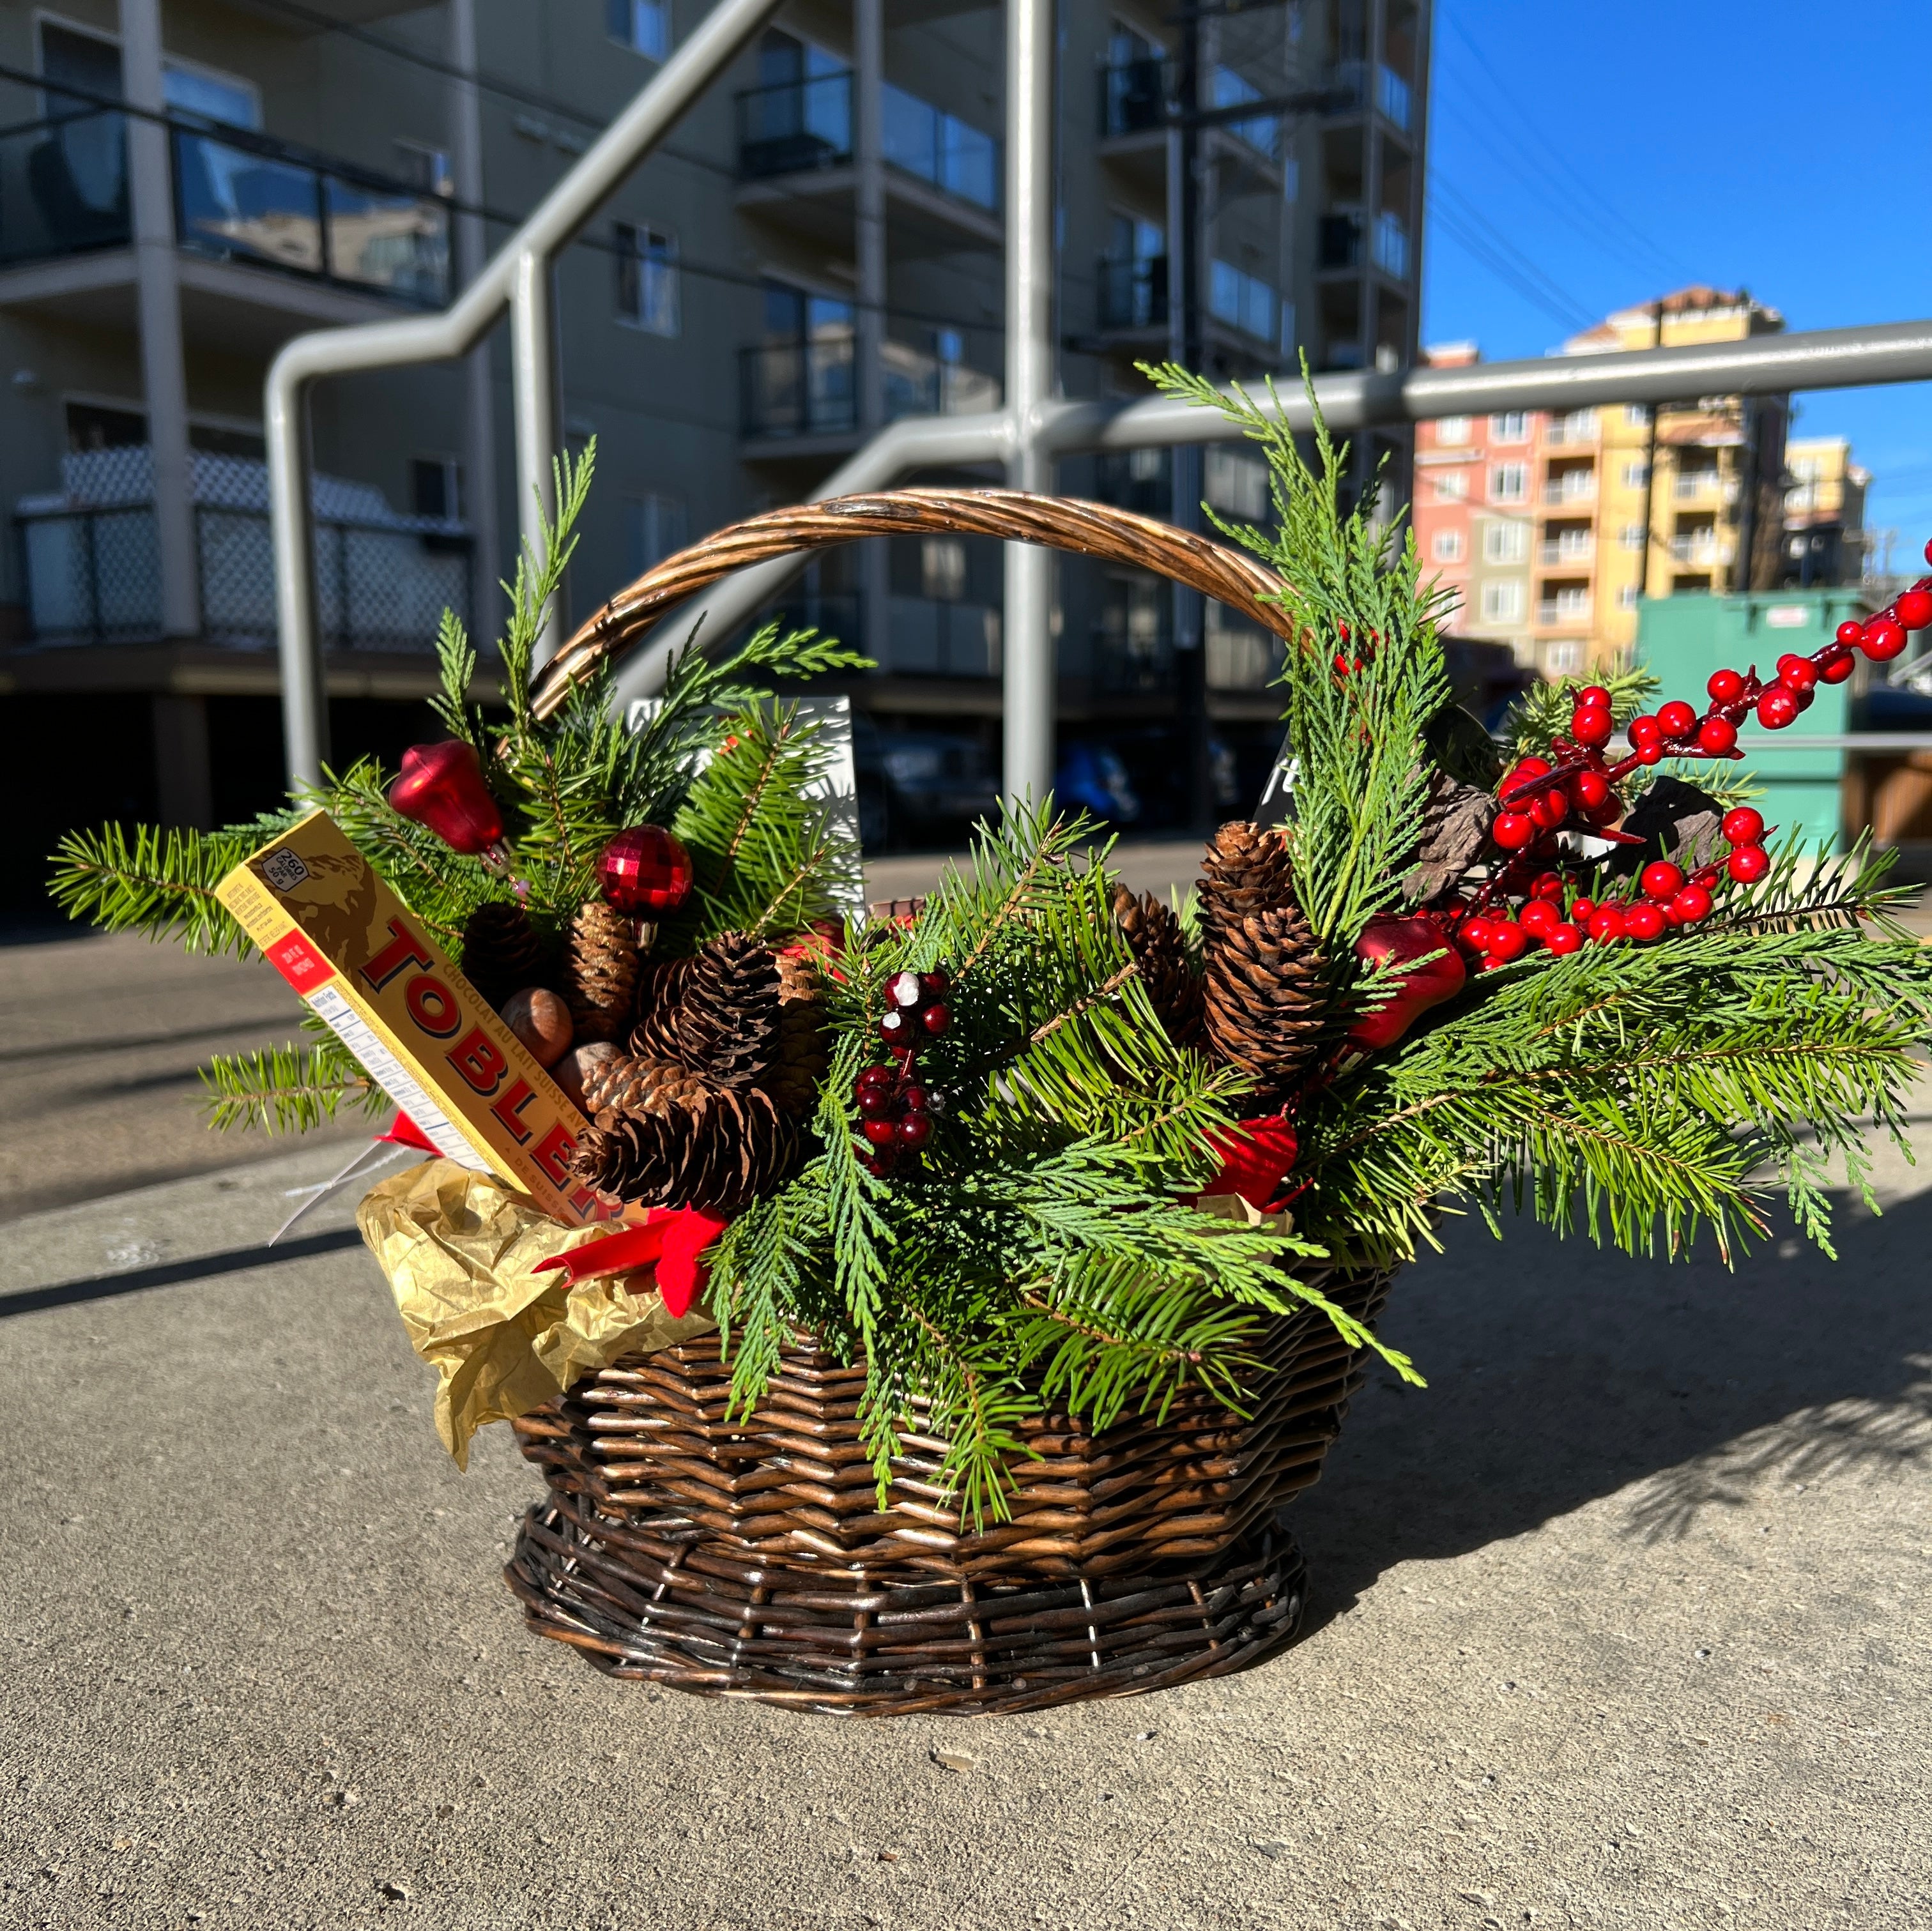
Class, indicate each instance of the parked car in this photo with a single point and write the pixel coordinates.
(920, 787)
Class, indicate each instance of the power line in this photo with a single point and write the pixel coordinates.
(1474, 230)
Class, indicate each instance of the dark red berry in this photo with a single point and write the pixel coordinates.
(896, 1028)
(915, 1129)
(873, 1076)
(935, 984)
(936, 1018)
(902, 988)
(879, 1132)
(915, 1099)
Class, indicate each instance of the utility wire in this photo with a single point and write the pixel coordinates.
(1462, 220)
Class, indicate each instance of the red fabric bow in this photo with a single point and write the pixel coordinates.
(1255, 1159)
(671, 1237)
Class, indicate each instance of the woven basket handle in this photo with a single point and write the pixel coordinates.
(1058, 522)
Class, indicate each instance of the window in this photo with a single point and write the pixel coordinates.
(424, 167)
(942, 569)
(647, 295)
(642, 25)
(1452, 431)
(1505, 542)
(1636, 415)
(1635, 475)
(436, 487)
(1451, 487)
(1227, 89)
(1447, 546)
(655, 526)
(1242, 301)
(1235, 482)
(1565, 659)
(1502, 603)
(1509, 483)
(1631, 537)
(1513, 427)
(1627, 596)
(206, 95)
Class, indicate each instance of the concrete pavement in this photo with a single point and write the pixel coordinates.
(1622, 1623)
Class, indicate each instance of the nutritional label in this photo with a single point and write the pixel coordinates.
(389, 1073)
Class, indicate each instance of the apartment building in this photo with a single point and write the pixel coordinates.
(186, 184)
(1615, 504)
(1826, 541)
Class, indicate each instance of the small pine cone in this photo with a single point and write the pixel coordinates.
(725, 1023)
(1159, 948)
(1263, 997)
(600, 971)
(625, 1083)
(660, 988)
(701, 1145)
(804, 1054)
(502, 953)
(1245, 870)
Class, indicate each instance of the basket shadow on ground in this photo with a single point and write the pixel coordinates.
(1561, 1374)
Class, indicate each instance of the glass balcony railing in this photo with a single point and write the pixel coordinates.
(810, 388)
(1133, 97)
(1353, 83)
(1339, 241)
(63, 181)
(1133, 294)
(1392, 247)
(940, 149)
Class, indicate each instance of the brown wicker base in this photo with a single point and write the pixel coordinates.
(750, 1559)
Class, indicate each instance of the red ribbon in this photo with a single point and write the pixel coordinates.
(1254, 1159)
(671, 1237)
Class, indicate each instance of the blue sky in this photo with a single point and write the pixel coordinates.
(1598, 155)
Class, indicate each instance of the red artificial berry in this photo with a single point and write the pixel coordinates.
(896, 1028)
(1884, 638)
(1676, 719)
(1539, 918)
(1583, 911)
(1928, 549)
(1748, 864)
(1562, 940)
(1644, 923)
(1796, 673)
(1608, 812)
(874, 1076)
(1591, 726)
(1508, 941)
(915, 1099)
(1837, 665)
(1915, 608)
(1644, 729)
(1725, 687)
(915, 1129)
(1545, 846)
(936, 1018)
(1661, 880)
(1475, 934)
(1512, 830)
(1742, 826)
(1851, 633)
(882, 1161)
(903, 988)
(1341, 665)
(1526, 772)
(1650, 752)
(1691, 904)
(1776, 708)
(877, 1102)
(1550, 808)
(1590, 789)
(935, 984)
(1549, 886)
(879, 1132)
(1716, 735)
(1593, 697)
(1606, 925)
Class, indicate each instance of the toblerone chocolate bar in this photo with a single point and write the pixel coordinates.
(330, 926)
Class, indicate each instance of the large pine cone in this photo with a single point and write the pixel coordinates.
(1264, 998)
(660, 988)
(502, 953)
(1159, 948)
(696, 1145)
(804, 1055)
(1245, 870)
(721, 1017)
(600, 971)
(628, 1085)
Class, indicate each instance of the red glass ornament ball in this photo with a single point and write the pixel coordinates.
(896, 1028)
(1508, 941)
(935, 1019)
(1591, 726)
(880, 1132)
(1550, 808)
(1644, 728)
(915, 1129)
(1512, 830)
(1884, 637)
(1716, 735)
(1776, 708)
(1742, 826)
(1915, 609)
(1726, 686)
(1661, 880)
(441, 786)
(1539, 918)
(1644, 923)
(644, 872)
(1549, 886)
(1606, 925)
(1562, 940)
(1836, 666)
(1676, 719)
(1691, 904)
(1748, 864)
(1593, 697)
(1583, 911)
(903, 988)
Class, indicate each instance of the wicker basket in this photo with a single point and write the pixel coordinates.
(751, 1558)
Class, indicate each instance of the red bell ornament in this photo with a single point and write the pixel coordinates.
(1398, 940)
(441, 786)
(644, 872)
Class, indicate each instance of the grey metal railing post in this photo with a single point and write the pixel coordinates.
(533, 372)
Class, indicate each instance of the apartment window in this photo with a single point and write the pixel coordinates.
(1502, 603)
(655, 526)
(1565, 659)
(942, 569)
(1242, 301)
(1451, 487)
(1631, 537)
(424, 167)
(1447, 546)
(647, 294)
(1509, 483)
(1635, 475)
(1452, 431)
(1512, 427)
(1234, 482)
(1230, 89)
(1636, 415)
(1505, 542)
(209, 95)
(642, 25)
(436, 487)
(1627, 596)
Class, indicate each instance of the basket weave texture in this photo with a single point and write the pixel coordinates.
(750, 1559)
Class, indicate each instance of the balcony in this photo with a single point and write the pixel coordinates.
(1578, 486)
(93, 566)
(796, 389)
(63, 183)
(1568, 609)
(1132, 294)
(925, 637)
(1392, 253)
(1706, 552)
(1351, 86)
(1339, 240)
(1687, 485)
(1133, 98)
(1579, 429)
(1566, 552)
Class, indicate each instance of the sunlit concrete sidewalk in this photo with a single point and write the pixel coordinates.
(1622, 1623)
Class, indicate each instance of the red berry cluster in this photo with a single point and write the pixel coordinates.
(895, 1111)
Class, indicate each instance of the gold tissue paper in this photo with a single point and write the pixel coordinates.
(459, 1249)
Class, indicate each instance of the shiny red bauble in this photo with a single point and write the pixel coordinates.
(1915, 609)
(1508, 941)
(441, 786)
(1562, 940)
(644, 872)
(1884, 637)
(1836, 666)
(1717, 736)
(1644, 923)
(1512, 830)
(1591, 726)
(1777, 708)
(1725, 686)
(1796, 673)
(1676, 719)
(1691, 904)
(1661, 880)
(1748, 864)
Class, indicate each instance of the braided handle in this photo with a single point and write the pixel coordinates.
(1058, 522)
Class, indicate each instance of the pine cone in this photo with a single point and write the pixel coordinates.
(1159, 948)
(600, 971)
(659, 989)
(1264, 997)
(694, 1145)
(626, 1083)
(1245, 870)
(721, 1016)
(502, 953)
(804, 1053)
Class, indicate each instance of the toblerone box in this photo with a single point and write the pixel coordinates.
(330, 926)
